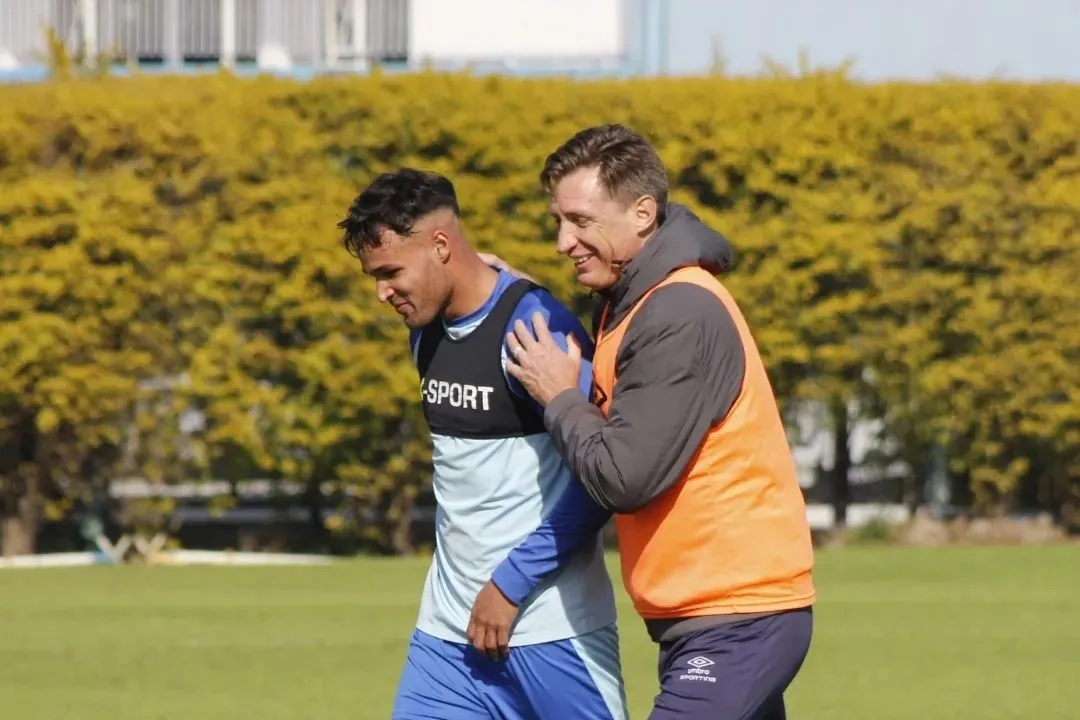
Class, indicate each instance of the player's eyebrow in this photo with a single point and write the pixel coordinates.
(382, 270)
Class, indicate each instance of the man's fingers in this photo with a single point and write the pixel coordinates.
(503, 639)
(492, 260)
(523, 335)
(519, 342)
(573, 350)
(485, 638)
(514, 352)
(491, 643)
(540, 328)
(479, 638)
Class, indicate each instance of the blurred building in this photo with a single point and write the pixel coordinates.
(313, 36)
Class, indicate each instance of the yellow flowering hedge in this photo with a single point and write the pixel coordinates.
(913, 247)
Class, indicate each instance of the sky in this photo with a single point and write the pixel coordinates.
(913, 39)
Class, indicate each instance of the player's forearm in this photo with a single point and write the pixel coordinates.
(573, 522)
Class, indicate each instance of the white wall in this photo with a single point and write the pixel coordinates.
(515, 29)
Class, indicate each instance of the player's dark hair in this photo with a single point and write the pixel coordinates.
(395, 201)
(628, 165)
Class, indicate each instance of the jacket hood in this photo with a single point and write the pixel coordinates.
(681, 241)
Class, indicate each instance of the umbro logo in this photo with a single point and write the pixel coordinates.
(697, 672)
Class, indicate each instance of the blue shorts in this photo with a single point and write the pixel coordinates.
(577, 678)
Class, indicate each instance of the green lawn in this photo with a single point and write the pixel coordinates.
(977, 634)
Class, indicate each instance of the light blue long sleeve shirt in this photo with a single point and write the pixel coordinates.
(538, 536)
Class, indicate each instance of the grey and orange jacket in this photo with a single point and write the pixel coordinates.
(683, 441)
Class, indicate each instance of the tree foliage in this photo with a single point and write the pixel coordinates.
(909, 248)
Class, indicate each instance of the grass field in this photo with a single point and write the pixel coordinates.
(959, 633)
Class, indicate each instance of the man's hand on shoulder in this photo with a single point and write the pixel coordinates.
(499, 264)
(489, 626)
(562, 350)
(539, 364)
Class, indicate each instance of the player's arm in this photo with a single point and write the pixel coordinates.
(575, 519)
(679, 370)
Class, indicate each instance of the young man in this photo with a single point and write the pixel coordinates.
(517, 617)
(684, 442)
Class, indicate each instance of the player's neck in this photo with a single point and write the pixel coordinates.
(473, 286)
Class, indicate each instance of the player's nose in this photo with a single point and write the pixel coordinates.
(383, 291)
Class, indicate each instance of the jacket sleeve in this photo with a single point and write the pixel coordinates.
(678, 372)
(575, 518)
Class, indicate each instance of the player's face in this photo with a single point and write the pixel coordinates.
(409, 277)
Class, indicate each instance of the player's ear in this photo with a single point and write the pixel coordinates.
(442, 246)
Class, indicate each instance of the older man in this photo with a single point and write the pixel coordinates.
(683, 439)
